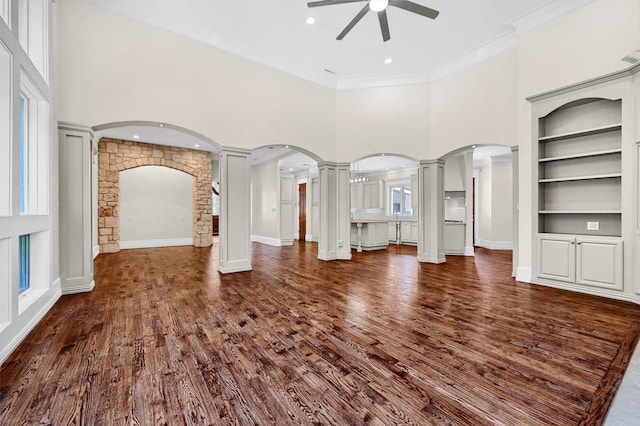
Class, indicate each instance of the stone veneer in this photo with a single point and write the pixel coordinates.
(115, 156)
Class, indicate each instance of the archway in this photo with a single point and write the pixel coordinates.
(285, 203)
(128, 145)
(384, 201)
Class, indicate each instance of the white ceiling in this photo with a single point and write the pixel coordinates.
(152, 133)
(276, 33)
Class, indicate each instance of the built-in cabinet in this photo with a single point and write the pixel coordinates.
(584, 162)
(404, 232)
(367, 195)
(454, 238)
(594, 261)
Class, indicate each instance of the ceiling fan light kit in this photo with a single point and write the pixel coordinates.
(379, 7)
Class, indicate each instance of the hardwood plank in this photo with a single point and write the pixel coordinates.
(381, 339)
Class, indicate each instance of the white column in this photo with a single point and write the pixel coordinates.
(235, 208)
(431, 211)
(76, 215)
(334, 241)
(516, 215)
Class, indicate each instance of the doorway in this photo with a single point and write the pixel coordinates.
(302, 211)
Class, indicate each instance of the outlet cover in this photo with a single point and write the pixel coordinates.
(593, 226)
(340, 243)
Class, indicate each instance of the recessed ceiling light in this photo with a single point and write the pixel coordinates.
(136, 137)
(286, 146)
(161, 125)
(383, 155)
(197, 145)
(290, 170)
(388, 61)
(311, 20)
(386, 168)
(403, 165)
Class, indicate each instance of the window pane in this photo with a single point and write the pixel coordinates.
(23, 153)
(24, 264)
(396, 200)
(406, 201)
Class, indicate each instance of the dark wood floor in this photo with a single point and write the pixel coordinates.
(382, 339)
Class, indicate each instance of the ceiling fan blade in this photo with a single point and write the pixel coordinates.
(353, 22)
(331, 2)
(384, 25)
(415, 8)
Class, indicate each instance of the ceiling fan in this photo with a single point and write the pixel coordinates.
(380, 7)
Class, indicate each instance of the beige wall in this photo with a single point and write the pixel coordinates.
(392, 120)
(110, 68)
(477, 105)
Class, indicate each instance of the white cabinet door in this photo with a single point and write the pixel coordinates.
(599, 262)
(454, 239)
(557, 257)
(392, 231)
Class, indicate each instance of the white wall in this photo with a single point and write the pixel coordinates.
(111, 68)
(156, 207)
(265, 202)
(494, 209)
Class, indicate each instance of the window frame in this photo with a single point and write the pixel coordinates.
(402, 187)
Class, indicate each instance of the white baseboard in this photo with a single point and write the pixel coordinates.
(237, 267)
(275, 242)
(170, 242)
(524, 274)
(96, 251)
(495, 245)
(468, 251)
(436, 260)
(309, 237)
(13, 344)
(80, 289)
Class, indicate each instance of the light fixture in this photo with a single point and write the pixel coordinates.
(378, 5)
(161, 125)
(136, 137)
(388, 61)
(286, 146)
(311, 20)
(197, 145)
(290, 169)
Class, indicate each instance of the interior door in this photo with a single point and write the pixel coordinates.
(302, 211)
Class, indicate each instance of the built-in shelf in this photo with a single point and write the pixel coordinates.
(580, 212)
(581, 155)
(585, 132)
(587, 177)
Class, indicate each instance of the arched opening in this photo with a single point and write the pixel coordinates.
(285, 195)
(384, 201)
(156, 207)
(479, 199)
(128, 145)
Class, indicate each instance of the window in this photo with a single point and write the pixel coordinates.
(400, 200)
(23, 152)
(25, 267)
(33, 34)
(34, 149)
(5, 11)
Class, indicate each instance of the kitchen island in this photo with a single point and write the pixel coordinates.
(369, 234)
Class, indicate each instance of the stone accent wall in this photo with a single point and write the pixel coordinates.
(115, 156)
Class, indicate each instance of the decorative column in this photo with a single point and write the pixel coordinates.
(76, 252)
(516, 215)
(431, 211)
(334, 241)
(235, 206)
